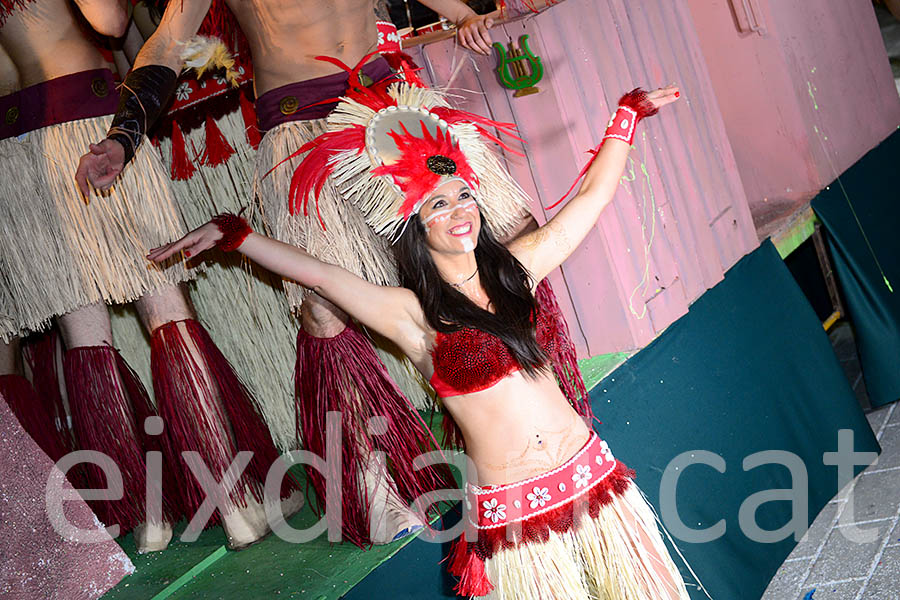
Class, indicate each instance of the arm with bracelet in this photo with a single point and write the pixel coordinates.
(386, 310)
(144, 94)
(546, 248)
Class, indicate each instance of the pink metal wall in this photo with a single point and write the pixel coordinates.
(680, 218)
(802, 102)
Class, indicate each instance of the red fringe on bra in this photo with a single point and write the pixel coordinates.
(563, 359)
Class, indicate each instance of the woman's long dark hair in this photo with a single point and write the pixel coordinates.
(506, 281)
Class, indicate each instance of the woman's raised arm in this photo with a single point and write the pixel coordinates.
(388, 310)
(545, 248)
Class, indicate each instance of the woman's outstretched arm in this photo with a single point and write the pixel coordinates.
(390, 311)
(547, 247)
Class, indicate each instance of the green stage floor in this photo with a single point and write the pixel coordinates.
(273, 568)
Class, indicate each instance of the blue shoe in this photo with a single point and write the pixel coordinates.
(407, 532)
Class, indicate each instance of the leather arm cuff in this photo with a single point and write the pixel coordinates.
(145, 92)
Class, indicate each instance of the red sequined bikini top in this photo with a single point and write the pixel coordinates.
(470, 360)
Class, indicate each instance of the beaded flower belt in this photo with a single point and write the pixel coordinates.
(498, 506)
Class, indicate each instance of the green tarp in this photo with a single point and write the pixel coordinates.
(869, 188)
(748, 369)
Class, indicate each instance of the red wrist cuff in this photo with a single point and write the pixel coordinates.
(637, 100)
(234, 231)
(622, 125)
(633, 107)
(388, 37)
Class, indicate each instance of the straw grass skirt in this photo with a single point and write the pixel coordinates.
(619, 555)
(581, 531)
(346, 241)
(59, 254)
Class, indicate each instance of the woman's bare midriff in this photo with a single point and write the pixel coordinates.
(285, 36)
(518, 428)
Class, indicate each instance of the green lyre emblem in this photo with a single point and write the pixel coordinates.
(512, 70)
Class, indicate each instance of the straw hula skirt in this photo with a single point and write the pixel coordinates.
(580, 531)
(58, 253)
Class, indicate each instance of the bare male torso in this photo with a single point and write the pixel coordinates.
(44, 40)
(285, 36)
(9, 75)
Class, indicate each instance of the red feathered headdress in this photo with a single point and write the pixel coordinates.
(390, 145)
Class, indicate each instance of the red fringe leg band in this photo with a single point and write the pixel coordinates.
(143, 408)
(343, 373)
(207, 409)
(32, 413)
(40, 353)
(106, 399)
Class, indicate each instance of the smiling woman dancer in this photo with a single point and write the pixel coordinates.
(557, 516)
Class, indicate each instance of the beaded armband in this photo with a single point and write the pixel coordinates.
(234, 231)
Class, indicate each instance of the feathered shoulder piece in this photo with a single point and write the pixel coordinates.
(390, 145)
(207, 53)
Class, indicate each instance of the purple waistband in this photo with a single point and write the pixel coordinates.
(286, 103)
(68, 98)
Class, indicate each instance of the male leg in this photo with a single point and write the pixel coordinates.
(208, 410)
(109, 409)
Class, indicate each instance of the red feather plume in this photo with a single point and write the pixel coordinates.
(312, 173)
(453, 116)
(411, 171)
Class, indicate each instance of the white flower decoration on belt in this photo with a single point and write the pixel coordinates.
(582, 475)
(539, 497)
(494, 511)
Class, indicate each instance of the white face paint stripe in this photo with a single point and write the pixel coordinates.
(438, 214)
(446, 211)
(444, 180)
